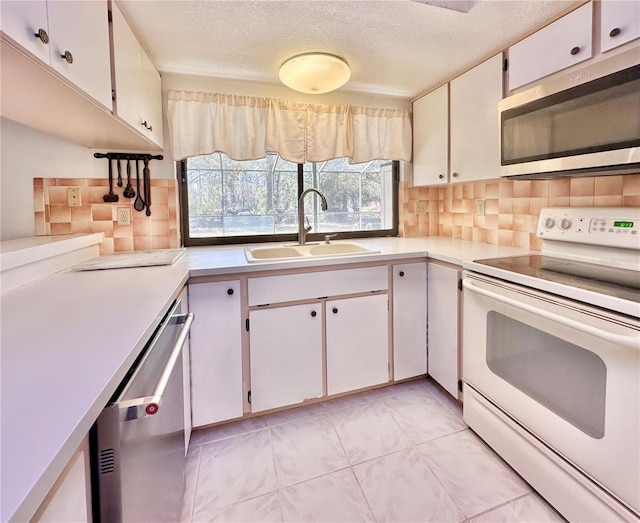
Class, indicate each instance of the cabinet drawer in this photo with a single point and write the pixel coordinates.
(294, 287)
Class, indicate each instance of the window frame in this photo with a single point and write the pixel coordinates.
(188, 241)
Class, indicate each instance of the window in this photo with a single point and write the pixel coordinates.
(229, 201)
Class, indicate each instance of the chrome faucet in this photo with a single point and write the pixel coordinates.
(302, 230)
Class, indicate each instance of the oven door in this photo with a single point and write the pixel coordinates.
(567, 372)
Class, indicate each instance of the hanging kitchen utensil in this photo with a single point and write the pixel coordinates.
(119, 174)
(147, 186)
(111, 197)
(128, 190)
(138, 204)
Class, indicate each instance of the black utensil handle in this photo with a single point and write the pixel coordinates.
(119, 174)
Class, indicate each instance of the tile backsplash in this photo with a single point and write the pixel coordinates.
(511, 208)
(54, 216)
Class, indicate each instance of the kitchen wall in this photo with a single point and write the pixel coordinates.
(28, 153)
(158, 231)
(511, 207)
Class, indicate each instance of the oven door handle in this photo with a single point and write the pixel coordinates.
(148, 405)
(631, 342)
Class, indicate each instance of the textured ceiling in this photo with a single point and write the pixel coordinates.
(398, 48)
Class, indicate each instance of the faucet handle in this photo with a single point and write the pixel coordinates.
(307, 227)
(327, 238)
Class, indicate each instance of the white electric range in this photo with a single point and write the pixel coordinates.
(551, 367)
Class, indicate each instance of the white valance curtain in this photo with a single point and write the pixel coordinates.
(247, 128)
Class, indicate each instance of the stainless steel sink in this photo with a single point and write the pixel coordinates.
(292, 252)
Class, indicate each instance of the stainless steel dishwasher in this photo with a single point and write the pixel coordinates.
(137, 442)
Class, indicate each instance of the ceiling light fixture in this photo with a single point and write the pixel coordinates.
(314, 73)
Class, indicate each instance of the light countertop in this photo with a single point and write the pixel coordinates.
(68, 339)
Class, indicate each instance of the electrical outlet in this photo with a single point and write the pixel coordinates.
(479, 207)
(73, 197)
(421, 207)
(124, 216)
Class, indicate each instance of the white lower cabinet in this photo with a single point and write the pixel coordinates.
(70, 497)
(409, 320)
(357, 342)
(286, 355)
(216, 352)
(443, 296)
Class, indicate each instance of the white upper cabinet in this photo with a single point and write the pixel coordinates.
(620, 22)
(80, 50)
(474, 122)
(27, 24)
(430, 138)
(137, 83)
(73, 39)
(559, 45)
(460, 118)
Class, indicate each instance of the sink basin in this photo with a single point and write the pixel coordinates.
(291, 252)
(270, 253)
(337, 248)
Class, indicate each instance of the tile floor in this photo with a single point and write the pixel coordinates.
(401, 453)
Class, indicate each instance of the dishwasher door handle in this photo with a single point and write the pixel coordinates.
(148, 405)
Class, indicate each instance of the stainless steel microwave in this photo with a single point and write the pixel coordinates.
(586, 122)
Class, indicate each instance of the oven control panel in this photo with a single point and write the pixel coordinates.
(609, 226)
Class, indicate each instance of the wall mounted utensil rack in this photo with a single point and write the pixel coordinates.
(142, 196)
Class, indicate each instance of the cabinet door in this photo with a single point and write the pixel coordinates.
(409, 320)
(474, 122)
(431, 137)
(559, 45)
(152, 102)
(357, 343)
(22, 20)
(286, 355)
(128, 77)
(216, 352)
(442, 325)
(82, 29)
(620, 22)
(70, 497)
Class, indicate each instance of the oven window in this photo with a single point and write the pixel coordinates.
(565, 378)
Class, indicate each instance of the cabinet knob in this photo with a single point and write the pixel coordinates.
(401, 273)
(68, 57)
(335, 310)
(314, 314)
(230, 292)
(575, 50)
(614, 32)
(42, 35)
(455, 175)
(441, 176)
(147, 126)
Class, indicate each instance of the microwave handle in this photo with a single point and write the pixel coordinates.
(149, 405)
(631, 342)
